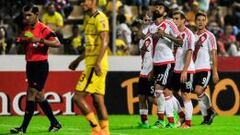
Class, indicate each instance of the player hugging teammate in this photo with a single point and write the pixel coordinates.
(181, 61)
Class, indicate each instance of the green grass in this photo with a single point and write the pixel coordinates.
(122, 125)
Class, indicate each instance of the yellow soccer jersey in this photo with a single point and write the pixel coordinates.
(93, 27)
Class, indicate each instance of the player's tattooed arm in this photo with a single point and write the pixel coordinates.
(177, 40)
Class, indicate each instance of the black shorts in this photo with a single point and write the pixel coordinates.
(176, 84)
(37, 73)
(202, 78)
(145, 87)
(163, 74)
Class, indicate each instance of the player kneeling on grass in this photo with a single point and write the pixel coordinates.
(36, 38)
(146, 83)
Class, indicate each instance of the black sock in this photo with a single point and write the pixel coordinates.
(30, 106)
(48, 111)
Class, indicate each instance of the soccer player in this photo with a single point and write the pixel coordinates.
(182, 77)
(164, 33)
(36, 38)
(92, 80)
(205, 53)
(146, 83)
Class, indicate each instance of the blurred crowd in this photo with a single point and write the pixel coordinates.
(223, 21)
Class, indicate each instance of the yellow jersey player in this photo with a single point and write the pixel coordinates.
(92, 80)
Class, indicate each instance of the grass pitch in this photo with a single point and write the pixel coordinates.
(122, 125)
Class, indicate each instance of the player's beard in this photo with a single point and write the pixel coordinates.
(156, 14)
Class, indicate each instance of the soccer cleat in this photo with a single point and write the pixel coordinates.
(54, 128)
(180, 122)
(171, 125)
(159, 124)
(211, 114)
(204, 122)
(143, 125)
(185, 126)
(17, 130)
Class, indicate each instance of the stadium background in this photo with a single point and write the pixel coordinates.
(122, 79)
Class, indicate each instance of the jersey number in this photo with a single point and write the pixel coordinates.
(160, 77)
(82, 77)
(204, 80)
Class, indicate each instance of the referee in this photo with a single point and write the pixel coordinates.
(36, 39)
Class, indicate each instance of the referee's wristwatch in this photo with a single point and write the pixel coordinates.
(41, 41)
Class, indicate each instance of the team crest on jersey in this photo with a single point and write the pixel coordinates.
(163, 26)
(103, 23)
(183, 35)
(147, 42)
(203, 38)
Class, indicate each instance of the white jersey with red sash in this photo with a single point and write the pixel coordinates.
(147, 64)
(188, 44)
(163, 47)
(205, 43)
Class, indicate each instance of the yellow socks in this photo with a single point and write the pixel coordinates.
(105, 126)
(93, 122)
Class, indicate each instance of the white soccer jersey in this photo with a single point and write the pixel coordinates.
(202, 54)
(147, 63)
(188, 44)
(163, 49)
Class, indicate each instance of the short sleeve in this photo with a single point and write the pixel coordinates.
(212, 45)
(48, 34)
(191, 41)
(173, 29)
(102, 23)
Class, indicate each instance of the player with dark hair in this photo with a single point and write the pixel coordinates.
(164, 33)
(205, 53)
(36, 38)
(146, 83)
(92, 80)
(182, 77)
